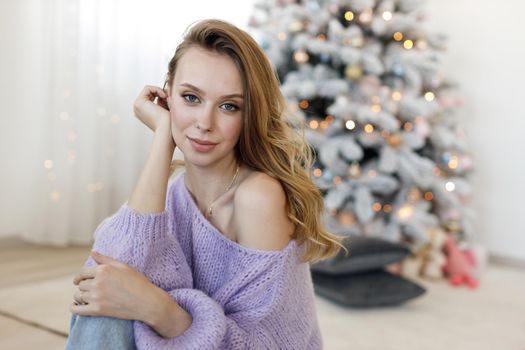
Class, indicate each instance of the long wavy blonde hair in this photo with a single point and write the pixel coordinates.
(267, 142)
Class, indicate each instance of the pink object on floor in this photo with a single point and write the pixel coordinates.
(459, 265)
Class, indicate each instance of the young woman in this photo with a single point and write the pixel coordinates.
(217, 257)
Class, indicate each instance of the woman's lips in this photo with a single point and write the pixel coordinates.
(201, 145)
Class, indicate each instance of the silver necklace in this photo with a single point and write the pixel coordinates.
(210, 211)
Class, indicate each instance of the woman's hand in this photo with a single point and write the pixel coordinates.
(115, 289)
(151, 107)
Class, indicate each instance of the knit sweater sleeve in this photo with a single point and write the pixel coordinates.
(263, 306)
(145, 241)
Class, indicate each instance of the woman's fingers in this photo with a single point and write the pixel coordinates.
(151, 106)
(163, 103)
(86, 284)
(79, 297)
(153, 91)
(85, 273)
(85, 309)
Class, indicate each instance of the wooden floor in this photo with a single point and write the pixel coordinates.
(23, 264)
(36, 288)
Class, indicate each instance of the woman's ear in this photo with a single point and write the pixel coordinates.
(168, 97)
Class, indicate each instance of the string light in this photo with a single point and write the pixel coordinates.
(387, 208)
(324, 124)
(366, 16)
(408, 126)
(350, 124)
(318, 172)
(376, 108)
(398, 36)
(347, 219)
(408, 44)
(376, 206)
(429, 196)
(314, 124)
(396, 96)
(387, 15)
(453, 162)
(301, 56)
(369, 128)
(429, 96)
(450, 186)
(405, 212)
(321, 37)
(329, 118)
(354, 71)
(337, 180)
(281, 36)
(304, 104)
(349, 16)
(48, 164)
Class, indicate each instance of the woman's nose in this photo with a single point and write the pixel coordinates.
(205, 120)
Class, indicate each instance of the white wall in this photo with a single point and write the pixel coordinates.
(486, 55)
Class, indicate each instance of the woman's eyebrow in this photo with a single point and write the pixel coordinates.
(202, 92)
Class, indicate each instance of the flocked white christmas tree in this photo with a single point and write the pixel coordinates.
(364, 76)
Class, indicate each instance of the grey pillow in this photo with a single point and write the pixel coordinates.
(368, 289)
(364, 254)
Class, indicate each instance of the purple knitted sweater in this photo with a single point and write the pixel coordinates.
(239, 298)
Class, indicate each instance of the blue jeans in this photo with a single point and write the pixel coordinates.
(99, 333)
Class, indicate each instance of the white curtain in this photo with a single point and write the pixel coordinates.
(71, 150)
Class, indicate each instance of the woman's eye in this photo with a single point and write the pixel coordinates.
(230, 107)
(190, 98)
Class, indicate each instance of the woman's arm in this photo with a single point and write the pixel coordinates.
(149, 195)
(136, 239)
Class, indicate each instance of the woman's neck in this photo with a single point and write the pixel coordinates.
(207, 184)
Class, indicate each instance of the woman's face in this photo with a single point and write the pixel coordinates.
(206, 101)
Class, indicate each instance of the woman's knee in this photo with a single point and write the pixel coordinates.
(100, 332)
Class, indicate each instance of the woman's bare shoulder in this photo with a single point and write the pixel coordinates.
(260, 216)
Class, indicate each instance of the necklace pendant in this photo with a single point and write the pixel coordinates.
(210, 213)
